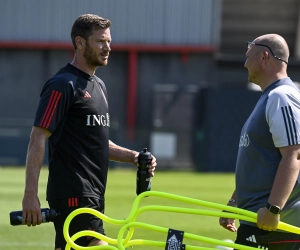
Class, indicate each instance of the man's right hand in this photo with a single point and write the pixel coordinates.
(32, 215)
(35, 156)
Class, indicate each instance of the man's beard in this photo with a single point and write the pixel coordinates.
(91, 57)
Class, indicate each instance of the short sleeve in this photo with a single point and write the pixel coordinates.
(283, 115)
(56, 97)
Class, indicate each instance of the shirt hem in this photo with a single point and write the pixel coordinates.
(100, 197)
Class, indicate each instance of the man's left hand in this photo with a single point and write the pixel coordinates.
(151, 167)
(266, 220)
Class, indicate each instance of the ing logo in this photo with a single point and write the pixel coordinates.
(244, 140)
(101, 120)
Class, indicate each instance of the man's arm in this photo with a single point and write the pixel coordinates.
(118, 153)
(121, 154)
(229, 224)
(34, 161)
(285, 180)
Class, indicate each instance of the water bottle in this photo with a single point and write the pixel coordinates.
(143, 177)
(47, 216)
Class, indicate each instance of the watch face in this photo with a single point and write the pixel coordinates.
(274, 209)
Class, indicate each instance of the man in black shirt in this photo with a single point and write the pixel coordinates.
(73, 116)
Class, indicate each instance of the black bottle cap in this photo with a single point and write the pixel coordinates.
(145, 155)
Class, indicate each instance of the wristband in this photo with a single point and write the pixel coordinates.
(232, 200)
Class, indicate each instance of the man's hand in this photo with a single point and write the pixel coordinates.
(31, 211)
(266, 220)
(151, 167)
(228, 224)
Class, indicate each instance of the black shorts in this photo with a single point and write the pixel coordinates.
(255, 237)
(80, 222)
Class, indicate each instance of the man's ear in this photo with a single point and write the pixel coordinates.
(80, 42)
(265, 57)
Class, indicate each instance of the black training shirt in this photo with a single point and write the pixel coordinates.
(73, 107)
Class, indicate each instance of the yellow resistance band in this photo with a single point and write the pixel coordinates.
(128, 225)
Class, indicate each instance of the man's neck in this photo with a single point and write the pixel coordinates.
(264, 83)
(83, 66)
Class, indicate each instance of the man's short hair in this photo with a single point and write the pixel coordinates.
(85, 24)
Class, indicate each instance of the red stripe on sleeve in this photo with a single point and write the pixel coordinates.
(72, 202)
(53, 109)
(76, 202)
(52, 96)
(69, 202)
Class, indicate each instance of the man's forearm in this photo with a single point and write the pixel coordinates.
(121, 154)
(285, 180)
(34, 161)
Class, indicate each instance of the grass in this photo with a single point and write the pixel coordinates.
(120, 195)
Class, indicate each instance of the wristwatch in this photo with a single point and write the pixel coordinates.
(273, 208)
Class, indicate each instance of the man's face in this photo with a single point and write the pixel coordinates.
(97, 48)
(252, 63)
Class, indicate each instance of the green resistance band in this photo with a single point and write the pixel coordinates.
(128, 224)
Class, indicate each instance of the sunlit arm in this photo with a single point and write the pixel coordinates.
(286, 175)
(34, 161)
(121, 154)
(285, 180)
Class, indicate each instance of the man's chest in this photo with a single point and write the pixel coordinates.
(89, 100)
